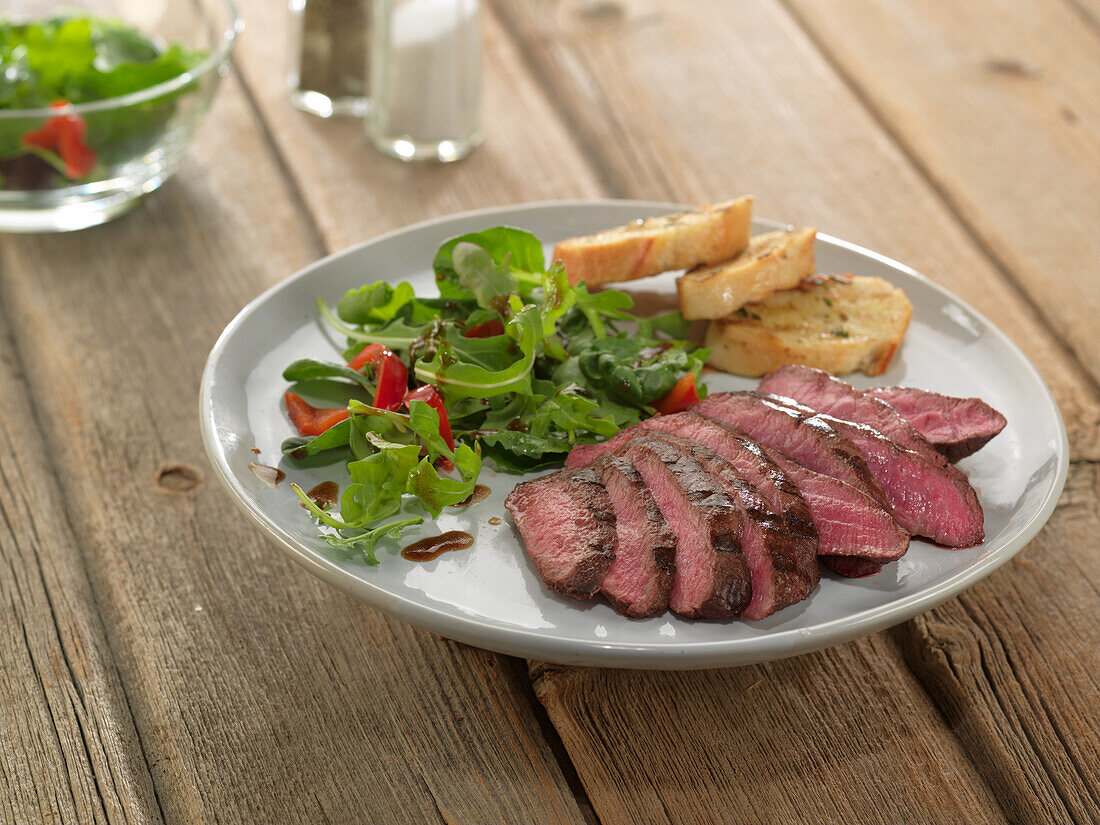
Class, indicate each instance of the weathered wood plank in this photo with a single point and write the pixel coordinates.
(1014, 666)
(260, 693)
(787, 129)
(999, 104)
(71, 752)
(844, 735)
(355, 193)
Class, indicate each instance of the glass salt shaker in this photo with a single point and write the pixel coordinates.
(425, 78)
(327, 71)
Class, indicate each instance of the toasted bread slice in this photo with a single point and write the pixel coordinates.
(778, 260)
(653, 245)
(836, 323)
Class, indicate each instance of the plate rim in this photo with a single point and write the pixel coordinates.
(526, 643)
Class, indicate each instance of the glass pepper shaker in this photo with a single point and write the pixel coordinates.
(425, 78)
(327, 71)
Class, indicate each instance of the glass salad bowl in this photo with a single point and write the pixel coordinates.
(98, 100)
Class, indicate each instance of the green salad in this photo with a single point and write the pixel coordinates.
(509, 364)
(66, 61)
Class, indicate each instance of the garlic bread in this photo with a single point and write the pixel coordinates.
(837, 323)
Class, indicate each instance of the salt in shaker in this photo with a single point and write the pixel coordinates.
(425, 78)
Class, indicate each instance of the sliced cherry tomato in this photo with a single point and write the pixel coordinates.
(391, 376)
(310, 420)
(486, 330)
(430, 396)
(681, 397)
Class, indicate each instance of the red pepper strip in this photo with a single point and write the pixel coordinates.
(430, 396)
(310, 420)
(368, 355)
(486, 330)
(64, 135)
(680, 397)
(391, 376)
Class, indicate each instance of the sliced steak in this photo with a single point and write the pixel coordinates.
(852, 567)
(855, 532)
(640, 578)
(782, 564)
(956, 427)
(797, 433)
(746, 456)
(924, 498)
(712, 577)
(568, 526)
(821, 391)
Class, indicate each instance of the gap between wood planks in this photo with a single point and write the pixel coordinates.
(941, 192)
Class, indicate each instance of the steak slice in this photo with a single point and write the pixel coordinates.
(820, 391)
(924, 498)
(856, 534)
(638, 582)
(568, 526)
(956, 427)
(852, 567)
(796, 432)
(782, 565)
(712, 577)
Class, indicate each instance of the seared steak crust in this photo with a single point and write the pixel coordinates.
(712, 578)
(782, 564)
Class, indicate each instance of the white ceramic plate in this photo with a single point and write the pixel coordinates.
(491, 596)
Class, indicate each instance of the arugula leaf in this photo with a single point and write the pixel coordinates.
(521, 250)
(309, 369)
(488, 281)
(456, 379)
(301, 446)
(396, 335)
(374, 303)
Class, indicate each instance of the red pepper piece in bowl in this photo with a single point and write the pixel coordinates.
(310, 420)
(391, 376)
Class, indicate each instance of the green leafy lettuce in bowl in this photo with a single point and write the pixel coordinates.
(95, 111)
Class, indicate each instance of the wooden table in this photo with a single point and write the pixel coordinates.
(162, 662)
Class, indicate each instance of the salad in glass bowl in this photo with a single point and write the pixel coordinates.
(98, 101)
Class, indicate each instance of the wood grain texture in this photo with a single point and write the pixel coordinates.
(70, 750)
(790, 131)
(354, 193)
(1014, 664)
(999, 104)
(845, 735)
(260, 693)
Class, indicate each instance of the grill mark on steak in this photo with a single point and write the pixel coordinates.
(712, 576)
(796, 432)
(782, 565)
(825, 393)
(956, 427)
(568, 527)
(638, 582)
